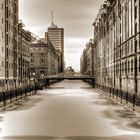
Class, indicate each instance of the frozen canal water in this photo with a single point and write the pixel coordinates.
(69, 110)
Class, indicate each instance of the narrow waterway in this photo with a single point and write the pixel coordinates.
(69, 110)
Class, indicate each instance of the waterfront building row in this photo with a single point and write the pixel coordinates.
(117, 48)
(18, 62)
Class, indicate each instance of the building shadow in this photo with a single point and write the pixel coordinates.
(30, 138)
(123, 137)
(123, 118)
(23, 104)
(56, 87)
(103, 101)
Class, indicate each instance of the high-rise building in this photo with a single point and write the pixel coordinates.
(8, 42)
(56, 36)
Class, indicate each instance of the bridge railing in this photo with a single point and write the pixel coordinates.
(69, 75)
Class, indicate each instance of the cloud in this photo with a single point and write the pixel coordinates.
(71, 40)
(73, 60)
(75, 16)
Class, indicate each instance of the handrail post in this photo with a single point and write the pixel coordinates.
(134, 98)
(93, 82)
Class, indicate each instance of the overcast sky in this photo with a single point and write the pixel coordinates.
(75, 16)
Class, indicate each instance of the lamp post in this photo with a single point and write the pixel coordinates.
(34, 82)
(5, 93)
(29, 81)
(15, 91)
(42, 80)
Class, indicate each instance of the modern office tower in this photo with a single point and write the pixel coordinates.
(8, 43)
(56, 36)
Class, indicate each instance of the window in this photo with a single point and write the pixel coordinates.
(125, 66)
(9, 26)
(132, 65)
(128, 66)
(135, 28)
(135, 12)
(42, 72)
(9, 13)
(122, 67)
(42, 60)
(7, 39)
(128, 48)
(131, 46)
(139, 43)
(139, 64)
(136, 44)
(2, 64)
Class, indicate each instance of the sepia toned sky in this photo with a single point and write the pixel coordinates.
(75, 16)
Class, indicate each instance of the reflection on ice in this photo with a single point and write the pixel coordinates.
(70, 110)
(123, 137)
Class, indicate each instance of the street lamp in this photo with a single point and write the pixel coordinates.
(5, 93)
(42, 80)
(15, 91)
(34, 81)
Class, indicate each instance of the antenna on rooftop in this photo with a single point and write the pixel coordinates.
(52, 16)
(52, 21)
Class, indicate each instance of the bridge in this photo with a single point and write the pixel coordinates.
(68, 75)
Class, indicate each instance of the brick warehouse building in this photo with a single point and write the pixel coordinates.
(117, 48)
(8, 45)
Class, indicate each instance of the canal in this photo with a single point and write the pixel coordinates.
(69, 110)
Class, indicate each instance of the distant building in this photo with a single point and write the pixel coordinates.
(86, 60)
(45, 59)
(54, 59)
(8, 43)
(56, 36)
(83, 62)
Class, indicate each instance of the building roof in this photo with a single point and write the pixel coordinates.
(52, 25)
(38, 41)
